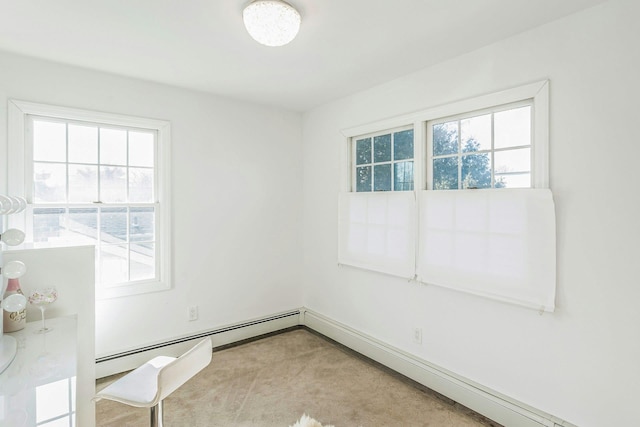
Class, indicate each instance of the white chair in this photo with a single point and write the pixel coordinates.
(148, 385)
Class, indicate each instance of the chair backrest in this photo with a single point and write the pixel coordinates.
(178, 372)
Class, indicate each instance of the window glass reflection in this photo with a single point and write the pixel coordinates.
(53, 403)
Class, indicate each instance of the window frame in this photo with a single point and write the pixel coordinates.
(20, 164)
(537, 93)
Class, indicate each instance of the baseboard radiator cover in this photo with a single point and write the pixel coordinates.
(126, 360)
(491, 404)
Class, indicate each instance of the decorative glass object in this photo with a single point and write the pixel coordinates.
(41, 298)
(13, 320)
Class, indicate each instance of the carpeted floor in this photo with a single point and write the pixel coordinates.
(275, 380)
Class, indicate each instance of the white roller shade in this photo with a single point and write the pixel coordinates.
(377, 231)
(495, 243)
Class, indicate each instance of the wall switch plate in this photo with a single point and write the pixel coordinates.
(417, 335)
(193, 313)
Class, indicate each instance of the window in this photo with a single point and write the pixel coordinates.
(96, 179)
(498, 242)
(488, 149)
(497, 140)
(384, 162)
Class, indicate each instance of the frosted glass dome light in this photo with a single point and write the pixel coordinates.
(271, 22)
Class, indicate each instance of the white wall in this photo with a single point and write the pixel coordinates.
(236, 189)
(237, 235)
(581, 363)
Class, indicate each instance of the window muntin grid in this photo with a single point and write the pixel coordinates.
(491, 148)
(97, 184)
(384, 161)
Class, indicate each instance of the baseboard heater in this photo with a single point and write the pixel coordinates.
(129, 359)
(493, 405)
(487, 402)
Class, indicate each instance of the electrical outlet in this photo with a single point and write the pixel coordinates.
(193, 313)
(417, 335)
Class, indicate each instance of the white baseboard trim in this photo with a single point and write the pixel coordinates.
(483, 400)
(489, 403)
(131, 359)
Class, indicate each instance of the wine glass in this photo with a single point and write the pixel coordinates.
(41, 298)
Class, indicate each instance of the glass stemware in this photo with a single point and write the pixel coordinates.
(41, 298)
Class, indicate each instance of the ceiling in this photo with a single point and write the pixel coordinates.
(344, 46)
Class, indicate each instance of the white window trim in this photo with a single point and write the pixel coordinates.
(538, 92)
(17, 166)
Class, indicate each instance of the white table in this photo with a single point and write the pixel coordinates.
(39, 387)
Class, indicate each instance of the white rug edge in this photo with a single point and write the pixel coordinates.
(307, 421)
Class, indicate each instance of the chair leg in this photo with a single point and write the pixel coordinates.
(157, 416)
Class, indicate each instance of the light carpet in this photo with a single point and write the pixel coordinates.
(272, 381)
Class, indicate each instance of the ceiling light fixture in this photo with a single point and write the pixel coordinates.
(271, 22)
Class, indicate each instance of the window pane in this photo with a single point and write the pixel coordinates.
(49, 182)
(95, 183)
(49, 141)
(363, 178)
(363, 151)
(141, 185)
(48, 224)
(513, 160)
(512, 127)
(514, 181)
(113, 147)
(114, 265)
(143, 264)
(113, 184)
(142, 225)
(476, 133)
(83, 183)
(403, 145)
(403, 176)
(382, 148)
(445, 173)
(83, 144)
(382, 177)
(141, 151)
(83, 225)
(113, 225)
(476, 171)
(445, 138)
